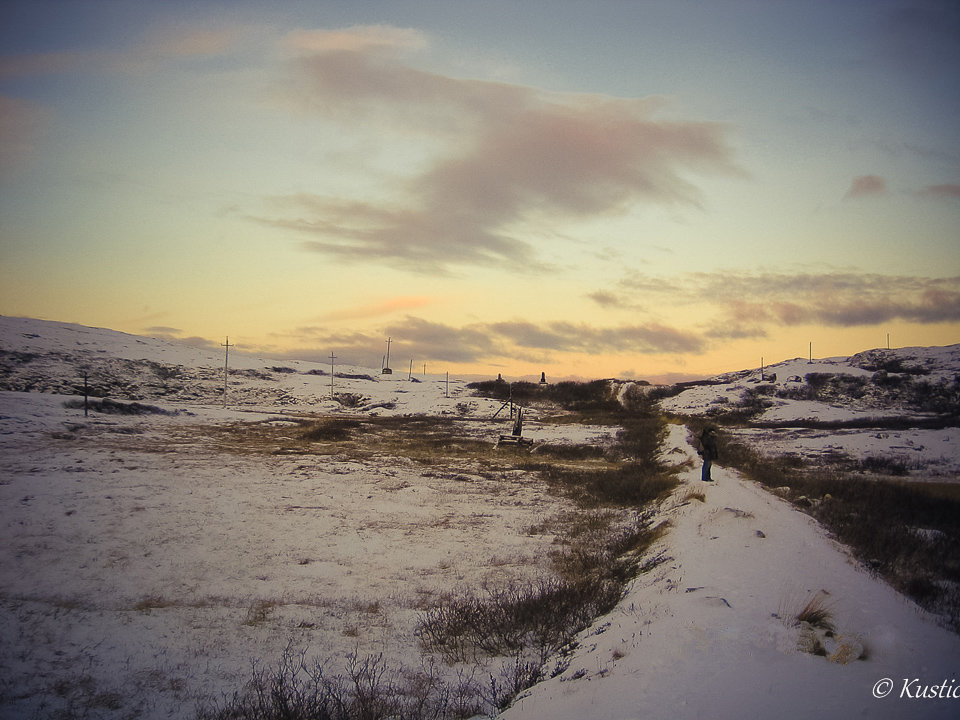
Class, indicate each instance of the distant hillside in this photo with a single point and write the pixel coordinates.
(873, 383)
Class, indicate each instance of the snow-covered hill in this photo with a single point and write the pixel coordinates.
(50, 357)
(875, 383)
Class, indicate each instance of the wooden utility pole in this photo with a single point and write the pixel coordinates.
(332, 358)
(226, 367)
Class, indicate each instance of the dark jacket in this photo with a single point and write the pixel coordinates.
(708, 444)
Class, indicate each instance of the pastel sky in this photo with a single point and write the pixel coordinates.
(603, 188)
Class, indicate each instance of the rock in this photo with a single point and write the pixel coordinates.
(842, 649)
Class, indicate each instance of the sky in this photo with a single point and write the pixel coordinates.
(652, 189)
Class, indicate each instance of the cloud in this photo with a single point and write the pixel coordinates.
(191, 43)
(866, 186)
(607, 299)
(385, 307)
(941, 192)
(497, 155)
(422, 340)
(142, 55)
(359, 38)
(748, 303)
(413, 339)
(570, 337)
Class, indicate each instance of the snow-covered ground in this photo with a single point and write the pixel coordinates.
(708, 634)
(147, 560)
(143, 569)
(831, 429)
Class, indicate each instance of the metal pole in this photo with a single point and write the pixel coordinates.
(226, 368)
(332, 358)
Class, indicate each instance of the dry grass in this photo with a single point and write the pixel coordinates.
(600, 548)
(816, 613)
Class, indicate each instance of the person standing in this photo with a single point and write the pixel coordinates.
(708, 451)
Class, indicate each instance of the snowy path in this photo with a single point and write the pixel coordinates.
(699, 636)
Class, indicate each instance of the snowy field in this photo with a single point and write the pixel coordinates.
(141, 558)
(149, 560)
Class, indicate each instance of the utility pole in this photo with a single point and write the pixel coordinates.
(332, 358)
(410, 374)
(386, 363)
(226, 367)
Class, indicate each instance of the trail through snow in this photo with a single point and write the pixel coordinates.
(708, 633)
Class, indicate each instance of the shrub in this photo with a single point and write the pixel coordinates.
(112, 407)
(640, 439)
(300, 690)
(629, 485)
(349, 400)
(597, 395)
(332, 430)
(543, 616)
(571, 452)
(884, 465)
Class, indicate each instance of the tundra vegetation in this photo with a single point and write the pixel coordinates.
(483, 646)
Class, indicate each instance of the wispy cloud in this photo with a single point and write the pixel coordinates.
(582, 337)
(941, 192)
(866, 186)
(501, 154)
(142, 54)
(420, 339)
(747, 304)
(378, 309)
